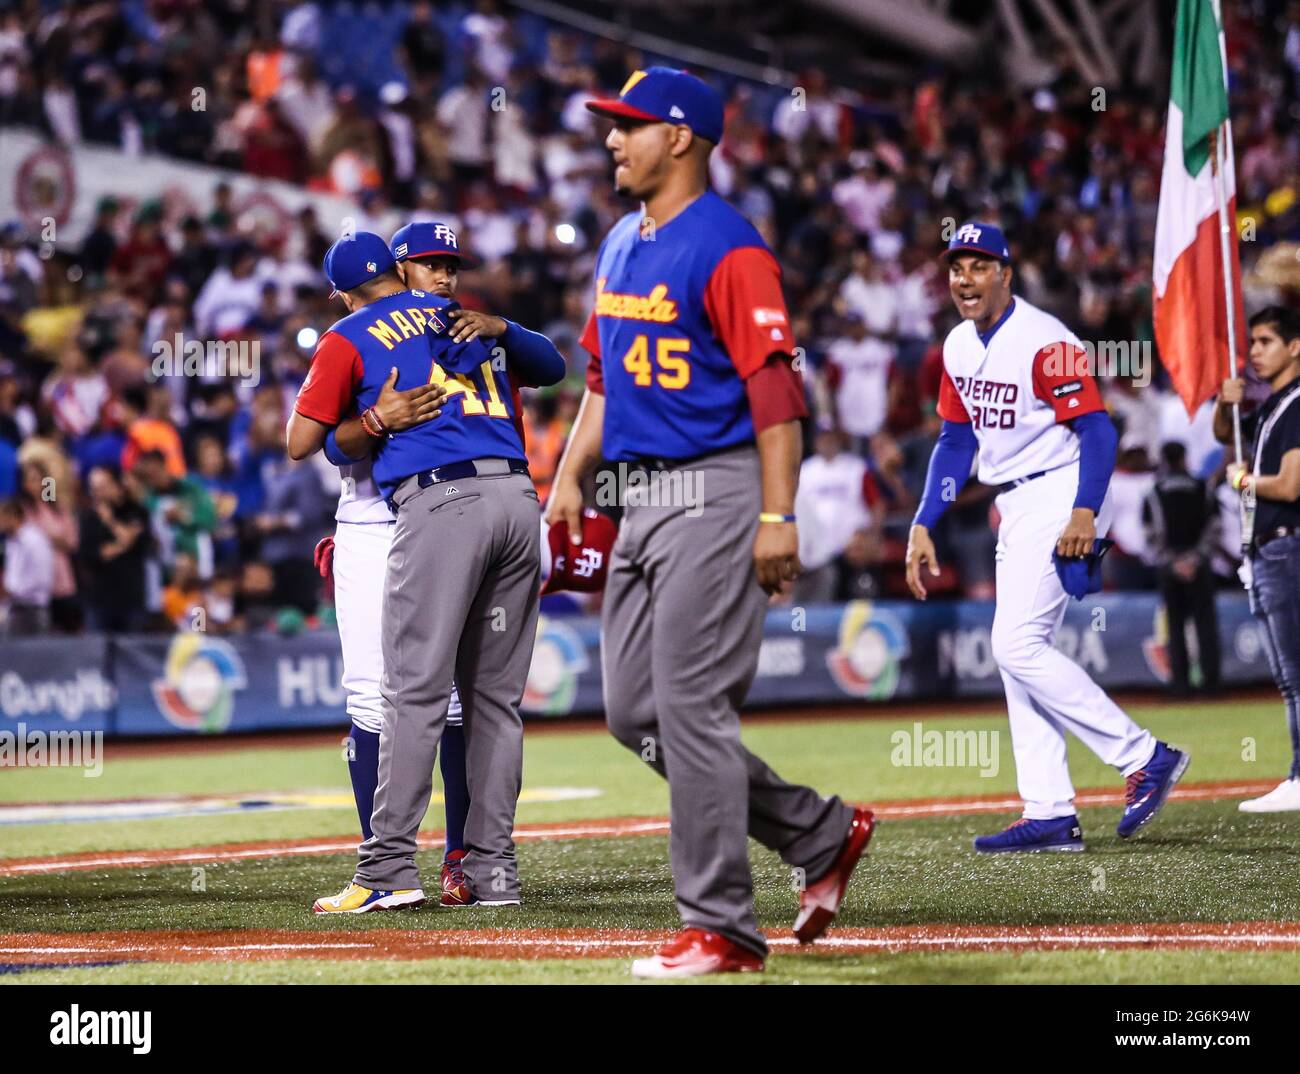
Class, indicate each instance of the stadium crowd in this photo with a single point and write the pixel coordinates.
(133, 500)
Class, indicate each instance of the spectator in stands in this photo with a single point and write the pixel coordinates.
(75, 394)
(183, 601)
(140, 265)
(53, 514)
(836, 485)
(213, 470)
(295, 515)
(100, 245)
(862, 361)
(147, 416)
(125, 367)
(546, 430)
(181, 513)
(28, 572)
(113, 548)
(1183, 529)
(231, 295)
(1128, 564)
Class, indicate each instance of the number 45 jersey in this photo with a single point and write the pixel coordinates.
(410, 331)
(685, 313)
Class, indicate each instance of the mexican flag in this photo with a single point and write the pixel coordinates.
(1191, 318)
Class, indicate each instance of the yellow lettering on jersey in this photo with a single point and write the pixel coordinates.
(416, 317)
(459, 384)
(656, 306)
(385, 334)
(679, 369)
(408, 329)
(675, 371)
(495, 408)
(637, 361)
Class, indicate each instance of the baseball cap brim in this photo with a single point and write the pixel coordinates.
(948, 253)
(466, 262)
(616, 109)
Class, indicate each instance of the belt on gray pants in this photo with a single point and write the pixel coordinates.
(455, 471)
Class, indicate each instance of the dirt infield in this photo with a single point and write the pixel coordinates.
(47, 948)
(613, 827)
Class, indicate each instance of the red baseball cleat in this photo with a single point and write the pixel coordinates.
(695, 952)
(455, 890)
(820, 902)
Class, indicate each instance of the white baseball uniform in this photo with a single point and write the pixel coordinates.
(1018, 386)
(361, 538)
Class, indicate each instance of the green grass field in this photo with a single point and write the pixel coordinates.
(1202, 861)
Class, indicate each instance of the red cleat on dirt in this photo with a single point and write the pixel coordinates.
(820, 902)
(696, 952)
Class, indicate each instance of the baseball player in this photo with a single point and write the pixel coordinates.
(358, 553)
(1017, 391)
(691, 382)
(460, 587)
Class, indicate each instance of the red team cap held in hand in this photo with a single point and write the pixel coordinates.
(577, 568)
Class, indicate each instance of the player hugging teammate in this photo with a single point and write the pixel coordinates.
(461, 571)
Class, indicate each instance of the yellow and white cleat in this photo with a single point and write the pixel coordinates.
(354, 899)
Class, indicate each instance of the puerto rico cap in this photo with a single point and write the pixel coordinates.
(577, 568)
(666, 95)
(426, 239)
(354, 259)
(974, 237)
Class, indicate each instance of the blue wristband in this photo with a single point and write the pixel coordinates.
(335, 453)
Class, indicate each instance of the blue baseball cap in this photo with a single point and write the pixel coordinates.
(426, 239)
(354, 259)
(974, 237)
(666, 95)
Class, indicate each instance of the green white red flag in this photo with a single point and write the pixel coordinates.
(1191, 305)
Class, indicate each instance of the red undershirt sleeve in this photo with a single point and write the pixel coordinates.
(590, 339)
(775, 394)
(950, 405)
(327, 394)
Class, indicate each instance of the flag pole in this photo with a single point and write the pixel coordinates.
(1221, 137)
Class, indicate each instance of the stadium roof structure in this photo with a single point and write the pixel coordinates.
(1105, 42)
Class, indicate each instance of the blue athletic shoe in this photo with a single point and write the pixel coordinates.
(1059, 833)
(1146, 789)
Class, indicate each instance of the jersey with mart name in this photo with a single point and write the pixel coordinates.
(1018, 386)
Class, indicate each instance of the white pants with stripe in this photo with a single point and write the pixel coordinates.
(360, 561)
(1047, 692)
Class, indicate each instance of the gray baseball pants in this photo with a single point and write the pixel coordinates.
(682, 625)
(460, 601)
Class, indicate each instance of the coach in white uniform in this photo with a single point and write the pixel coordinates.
(1017, 391)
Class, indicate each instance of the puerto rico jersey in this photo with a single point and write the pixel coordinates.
(684, 315)
(409, 331)
(1017, 387)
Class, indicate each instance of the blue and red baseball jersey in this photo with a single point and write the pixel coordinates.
(683, 317)
(480, 418)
